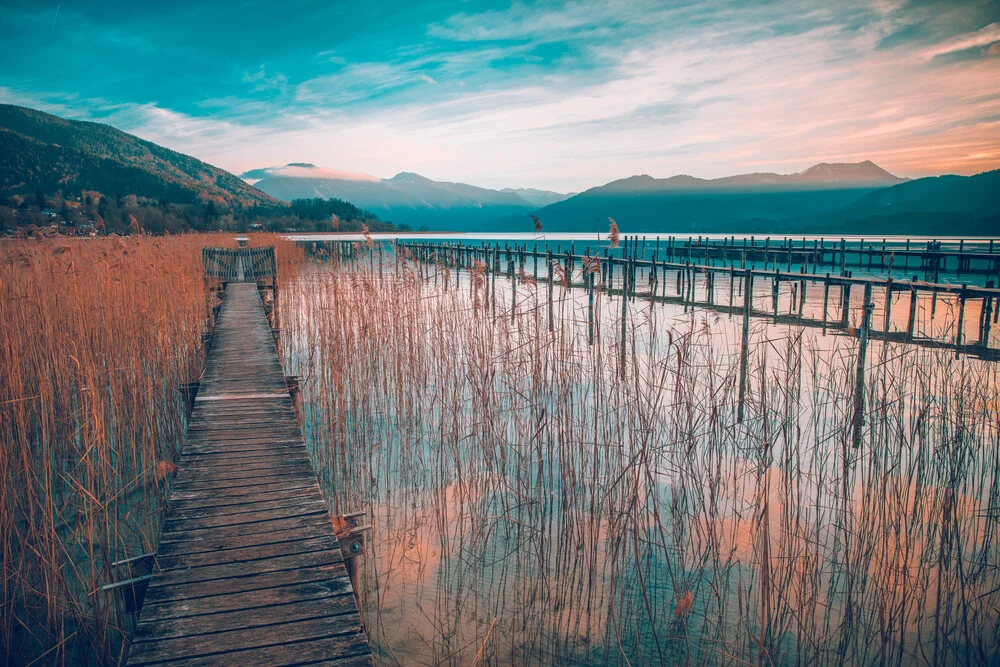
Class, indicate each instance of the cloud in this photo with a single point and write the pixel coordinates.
(570, 95)
(985, 36)
(262, 81)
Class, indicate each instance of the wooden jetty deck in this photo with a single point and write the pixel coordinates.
(248, 569)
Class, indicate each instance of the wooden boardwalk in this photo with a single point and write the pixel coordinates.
(248, 569)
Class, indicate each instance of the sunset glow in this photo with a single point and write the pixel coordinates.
(563, 96)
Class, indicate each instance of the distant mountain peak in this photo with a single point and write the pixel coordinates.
(848, 172)
(406, 198)
(304, 170)
(409, 177)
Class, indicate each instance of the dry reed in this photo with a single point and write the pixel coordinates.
(97, 337)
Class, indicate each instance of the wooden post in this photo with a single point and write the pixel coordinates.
(624, 331)
(745, 343)
(912, 319)
(984, 328)
(961, 321)
(937, 262)
(548, 262)
(826, 300)
(494, 265)
(732, 288)
(845, 305)
(774, 294)
(590, 305)
(513, 289)
(859, 384)
(888, 307)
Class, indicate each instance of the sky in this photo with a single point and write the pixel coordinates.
(556, 95)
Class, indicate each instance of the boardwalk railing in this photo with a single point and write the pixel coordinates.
(239, 264)
(659, 274)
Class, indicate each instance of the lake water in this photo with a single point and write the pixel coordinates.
(540, 495)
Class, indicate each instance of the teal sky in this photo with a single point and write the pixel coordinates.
(556, 95)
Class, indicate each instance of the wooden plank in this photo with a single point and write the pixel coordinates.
(248, 568)
(235, 567)
(247, 618)
(239, 541)
(292, 643)
(187, 560)
(251, 599)
(204, 597)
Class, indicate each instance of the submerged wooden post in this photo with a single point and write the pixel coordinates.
(888, 307)
(513, 289)
(987, 319)
(494, 265)
(625, 280)
(845, 305)
(774, 295)
(589, 277)
(548, 261)
(826, 300)
(912, 318)
(745, 343)
(961, 321)
(732, 288)
(859, 383)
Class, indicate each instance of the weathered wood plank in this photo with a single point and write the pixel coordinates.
(263, 597)
(247, 618)
(238, 541)
(293, 643)
(185, 561)
(199, 593)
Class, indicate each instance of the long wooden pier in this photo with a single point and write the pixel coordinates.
(658, 274)
(248, 569)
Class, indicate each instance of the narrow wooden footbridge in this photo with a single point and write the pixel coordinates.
(248, 569)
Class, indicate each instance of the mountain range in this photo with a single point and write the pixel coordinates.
(406, 198)
(39, 151)
(825, 198)
(42, 151)
(844, 198)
